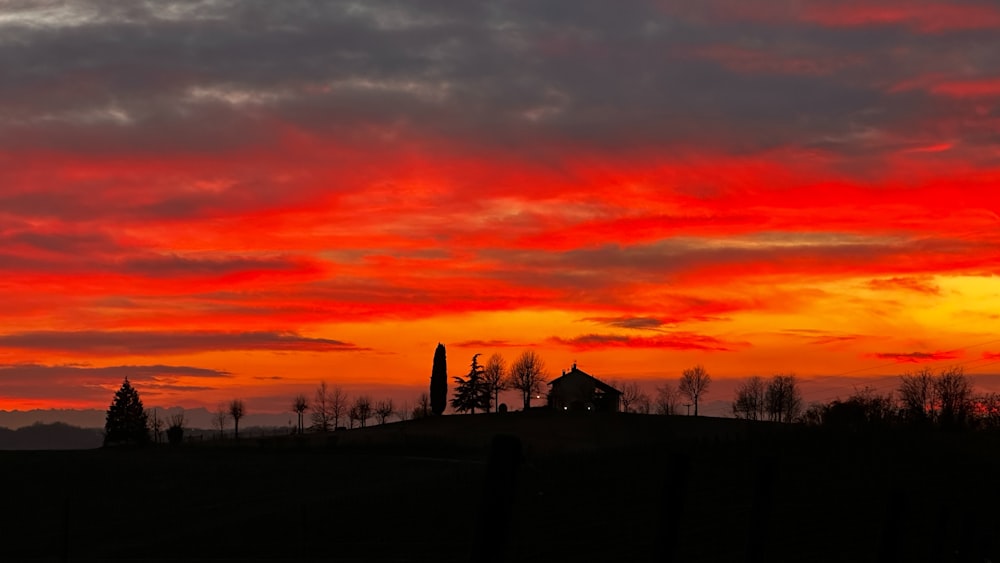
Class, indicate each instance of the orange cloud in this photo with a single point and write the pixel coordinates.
(919, 285)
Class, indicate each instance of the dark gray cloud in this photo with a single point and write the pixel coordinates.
(487, 344)
(190, 76)
(115, 343)
(85, 382)
(640, 323)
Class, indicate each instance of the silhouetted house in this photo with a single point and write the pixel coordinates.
(577, 390)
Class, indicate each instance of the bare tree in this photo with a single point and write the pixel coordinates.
(954, 394)
(423, 408)
(236, 410)
(337, 402)
(988, 407)
(155, 425)
(322, 415)
(643, 405)
(383, 410)
(917, 395)
(220, 418)
(361, 410)
(299, 406)
(783, 398)
(749, 403)
(633, 399)
(329, 407)
(527, 375)
(175, 428)
(693, 384)
(667, 399)
(495, 376)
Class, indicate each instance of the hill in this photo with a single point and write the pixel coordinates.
(598, 488)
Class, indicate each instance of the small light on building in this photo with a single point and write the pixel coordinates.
(565, 408)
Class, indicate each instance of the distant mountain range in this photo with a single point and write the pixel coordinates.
(55, 436)
(94, 418)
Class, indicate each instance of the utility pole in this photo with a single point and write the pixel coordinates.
(688, 405)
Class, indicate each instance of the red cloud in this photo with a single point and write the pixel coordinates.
(985, 87)
(991, 355)
(112, 343)
(673, 341)
(917, 357)
(924, 16)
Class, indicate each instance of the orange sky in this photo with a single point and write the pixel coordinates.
(246, 201)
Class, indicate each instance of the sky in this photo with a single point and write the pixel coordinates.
(240, 199)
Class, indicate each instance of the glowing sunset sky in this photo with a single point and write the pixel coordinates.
(226, 199)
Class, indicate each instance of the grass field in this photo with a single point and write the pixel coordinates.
(589, 488)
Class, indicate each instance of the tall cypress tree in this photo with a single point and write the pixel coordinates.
(439, 381)
(126, 422)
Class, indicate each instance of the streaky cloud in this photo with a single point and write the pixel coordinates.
(118, 343)
(917, 357)
(671, 341)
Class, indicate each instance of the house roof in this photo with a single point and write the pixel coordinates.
(597, 382)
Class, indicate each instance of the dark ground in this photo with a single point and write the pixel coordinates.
(589, 488)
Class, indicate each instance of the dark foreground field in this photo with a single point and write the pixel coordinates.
(589, 488)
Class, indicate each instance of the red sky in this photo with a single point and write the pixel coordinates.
(242, 199)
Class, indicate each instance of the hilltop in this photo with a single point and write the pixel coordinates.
(587, 488)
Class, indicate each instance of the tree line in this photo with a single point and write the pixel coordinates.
(331, 406)
(481, 387)
(923, 398)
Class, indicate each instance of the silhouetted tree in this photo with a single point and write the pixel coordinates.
(383, 410)
(126, 421)
(423, 408)
(236, 410)
(783, 398)
(495, 376)
(954, 395)
(175, 430)
(439, 381)
(987, 410)
(749, 403)
(633, 399)
(299, 406)
(865, 409)
(917, 396)
(220, 418)
(361, 410)
(667, 399)
(329, 407)
(337, 403)
(527, 375)
(471, 392)
(155, 425)
(643, 404)
(814, 414)
(693, 384)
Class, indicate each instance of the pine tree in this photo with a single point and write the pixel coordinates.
(472, 392)
(439, 381)
(127, 422)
